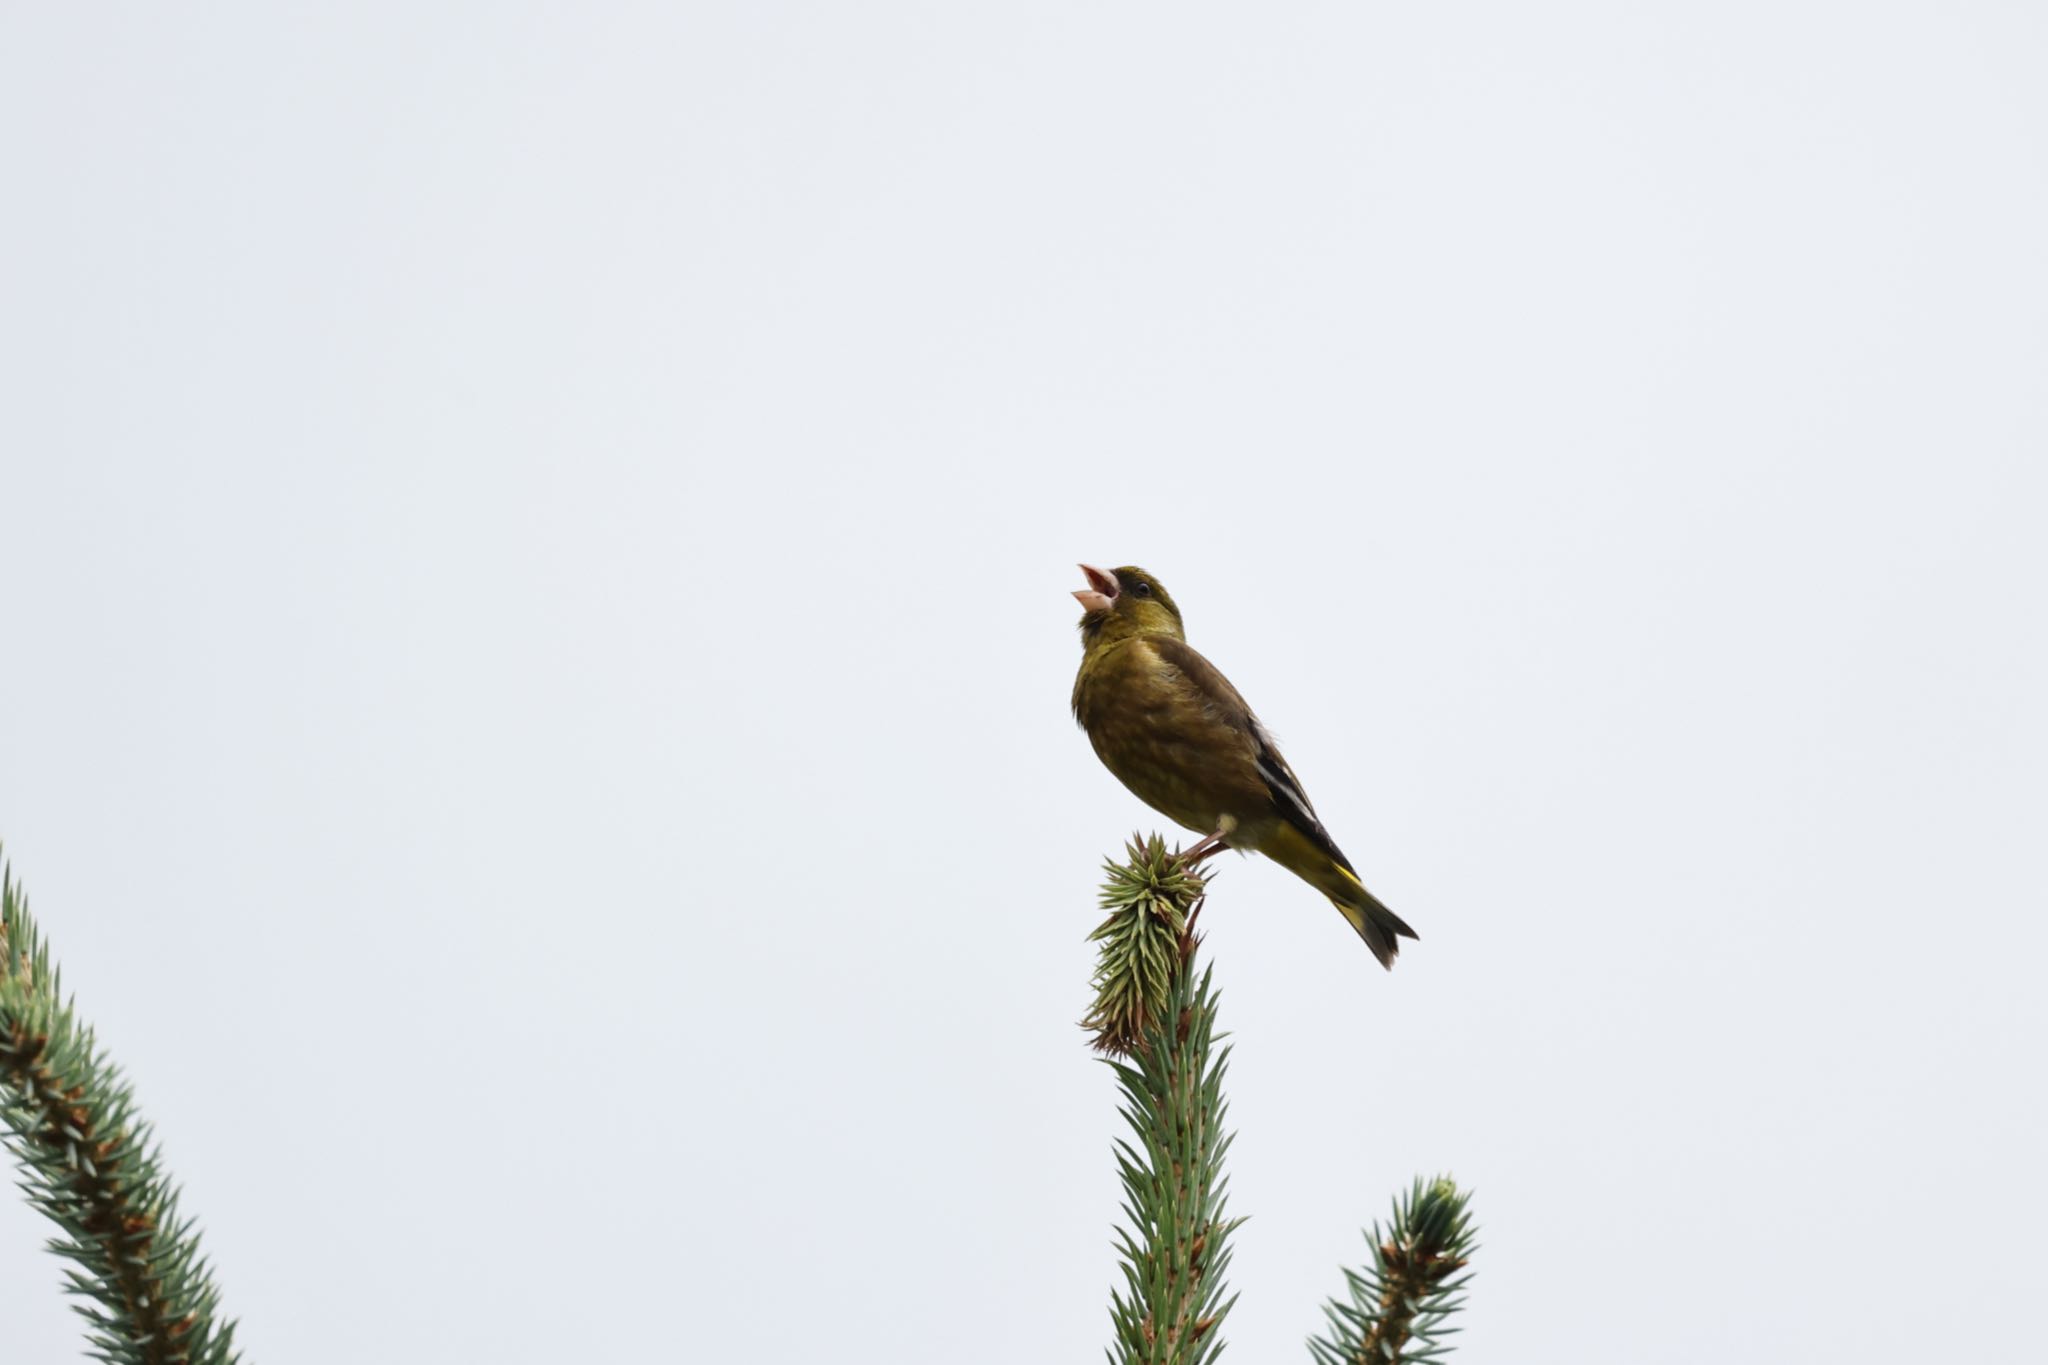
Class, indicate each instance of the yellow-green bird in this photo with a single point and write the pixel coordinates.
(1171, 727)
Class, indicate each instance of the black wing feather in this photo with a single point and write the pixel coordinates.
(1290, 798)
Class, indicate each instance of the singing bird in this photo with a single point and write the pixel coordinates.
(1171, 727)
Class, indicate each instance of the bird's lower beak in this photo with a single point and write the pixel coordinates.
(1100, 594)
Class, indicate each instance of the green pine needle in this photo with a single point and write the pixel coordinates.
(88, 1165)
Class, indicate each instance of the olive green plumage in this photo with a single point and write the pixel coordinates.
(1171, 727)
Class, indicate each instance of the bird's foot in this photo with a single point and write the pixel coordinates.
(1209, 847)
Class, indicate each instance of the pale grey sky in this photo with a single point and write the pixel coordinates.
(537, 650)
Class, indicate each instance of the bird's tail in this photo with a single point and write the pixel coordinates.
(1377, 925)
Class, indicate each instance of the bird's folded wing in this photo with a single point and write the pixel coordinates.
(1223, 699)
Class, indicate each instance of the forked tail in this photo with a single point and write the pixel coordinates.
(1376, 924)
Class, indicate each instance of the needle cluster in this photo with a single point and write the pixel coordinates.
(1152, 898)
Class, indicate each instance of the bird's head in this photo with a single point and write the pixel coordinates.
(1123, 602)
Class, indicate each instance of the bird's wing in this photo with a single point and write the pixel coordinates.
(1224, 700)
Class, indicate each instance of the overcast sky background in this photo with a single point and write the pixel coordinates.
(534, 544)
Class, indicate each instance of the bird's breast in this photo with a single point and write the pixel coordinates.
(1153, 731)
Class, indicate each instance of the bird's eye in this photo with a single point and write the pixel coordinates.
(1142, 590)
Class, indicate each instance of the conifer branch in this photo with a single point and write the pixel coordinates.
(89, 1165)
(1400, 1303)
(1157, 1019)
(1151, 1007)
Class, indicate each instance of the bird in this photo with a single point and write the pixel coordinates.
(1169, 726)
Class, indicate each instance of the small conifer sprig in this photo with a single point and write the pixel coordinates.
(89, 1165)
(1152, 899)
(1400, 1303)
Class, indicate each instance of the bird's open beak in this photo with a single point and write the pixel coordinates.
(1100, 594)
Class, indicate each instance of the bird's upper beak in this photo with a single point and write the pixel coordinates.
(1100, 594)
